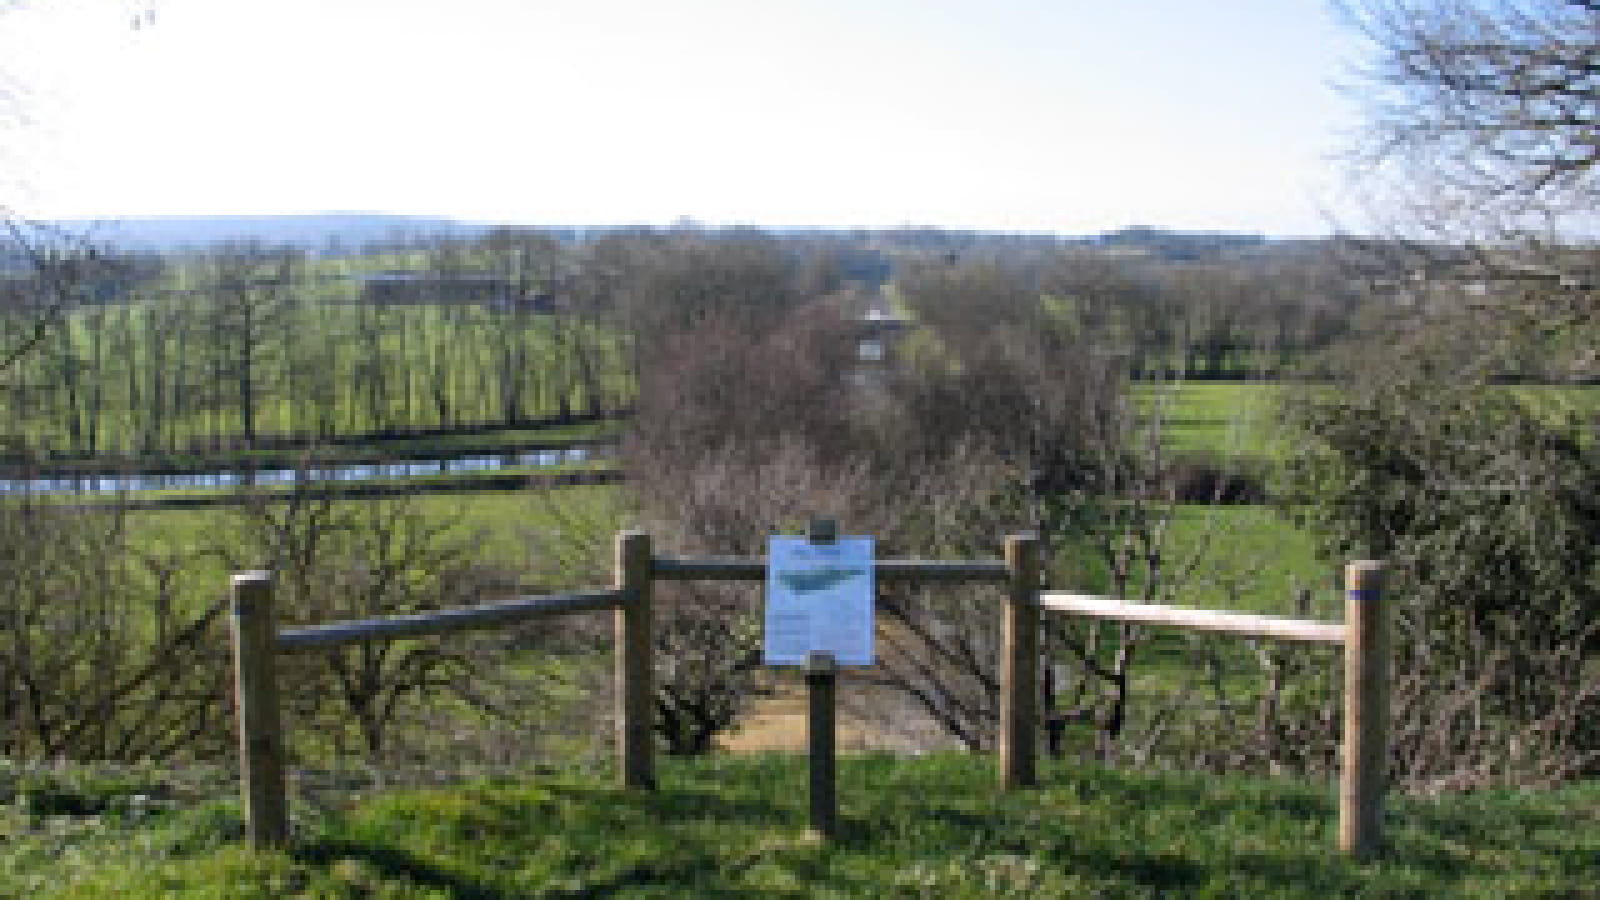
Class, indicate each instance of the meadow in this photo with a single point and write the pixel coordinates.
(202, 359)
(729, 826)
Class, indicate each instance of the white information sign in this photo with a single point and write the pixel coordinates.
(819, 598)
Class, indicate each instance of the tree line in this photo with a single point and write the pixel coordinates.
(247, 341)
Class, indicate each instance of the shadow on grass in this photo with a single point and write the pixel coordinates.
(393, 863)
(705, 829)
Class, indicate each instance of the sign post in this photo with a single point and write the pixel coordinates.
(821, 683)
(819, 614)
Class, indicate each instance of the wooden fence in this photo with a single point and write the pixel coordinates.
(257, 641)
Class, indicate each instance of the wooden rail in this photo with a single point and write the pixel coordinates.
(1365, 636)
(1242, 624)
(257, 643)
(676, 568)
(445, 621)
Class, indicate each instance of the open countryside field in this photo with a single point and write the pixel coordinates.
(1252, 559)
(501, 520)
(1216, 419)
(160, 374)
(1230, 420)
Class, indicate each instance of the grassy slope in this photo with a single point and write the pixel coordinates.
(930, 827)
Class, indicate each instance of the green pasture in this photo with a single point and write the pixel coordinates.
(1237, 420)
(1246, 558)
(153, 375)
(735, 827)
(1221, 420)
(500, 522)
(1249, 558)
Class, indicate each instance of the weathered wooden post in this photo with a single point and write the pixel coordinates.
(1366, 710)
(821, 684)
(1019, 663)
(261, 745)
(635, 667)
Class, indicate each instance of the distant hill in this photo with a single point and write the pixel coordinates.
(1181, 245)
(166, 234)
(354, 230)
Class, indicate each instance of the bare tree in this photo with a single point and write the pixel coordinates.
(1493, 101)
(104, 653)
(347, 560)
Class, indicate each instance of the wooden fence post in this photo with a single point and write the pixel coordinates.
(261, 746)
(1366, 710)
(635, 667)
(1019, 663)
(821, 683)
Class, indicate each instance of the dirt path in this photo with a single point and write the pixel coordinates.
(777, 723)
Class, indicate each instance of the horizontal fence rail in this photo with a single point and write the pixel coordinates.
(445, 621)
(1241, 624)
(1365, 636)
(679, 568)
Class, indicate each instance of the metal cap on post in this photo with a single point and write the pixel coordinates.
(822, 531)
(1366, 710)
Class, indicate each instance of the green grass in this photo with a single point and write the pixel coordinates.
(1250, 558)
(1216, 419)
(147, 374)
(502, 518)
(1237, 420)
(1253, 560)
(735, 827)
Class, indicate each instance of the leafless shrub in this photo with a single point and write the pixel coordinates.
(341, 560)
(107, 652)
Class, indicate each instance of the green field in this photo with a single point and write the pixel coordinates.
(501, 520)
(735, 827)
(1238, 420)
(1215, 419)
(1252, 558)
(183, 363)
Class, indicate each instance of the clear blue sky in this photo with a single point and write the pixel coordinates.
(1070, 116)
